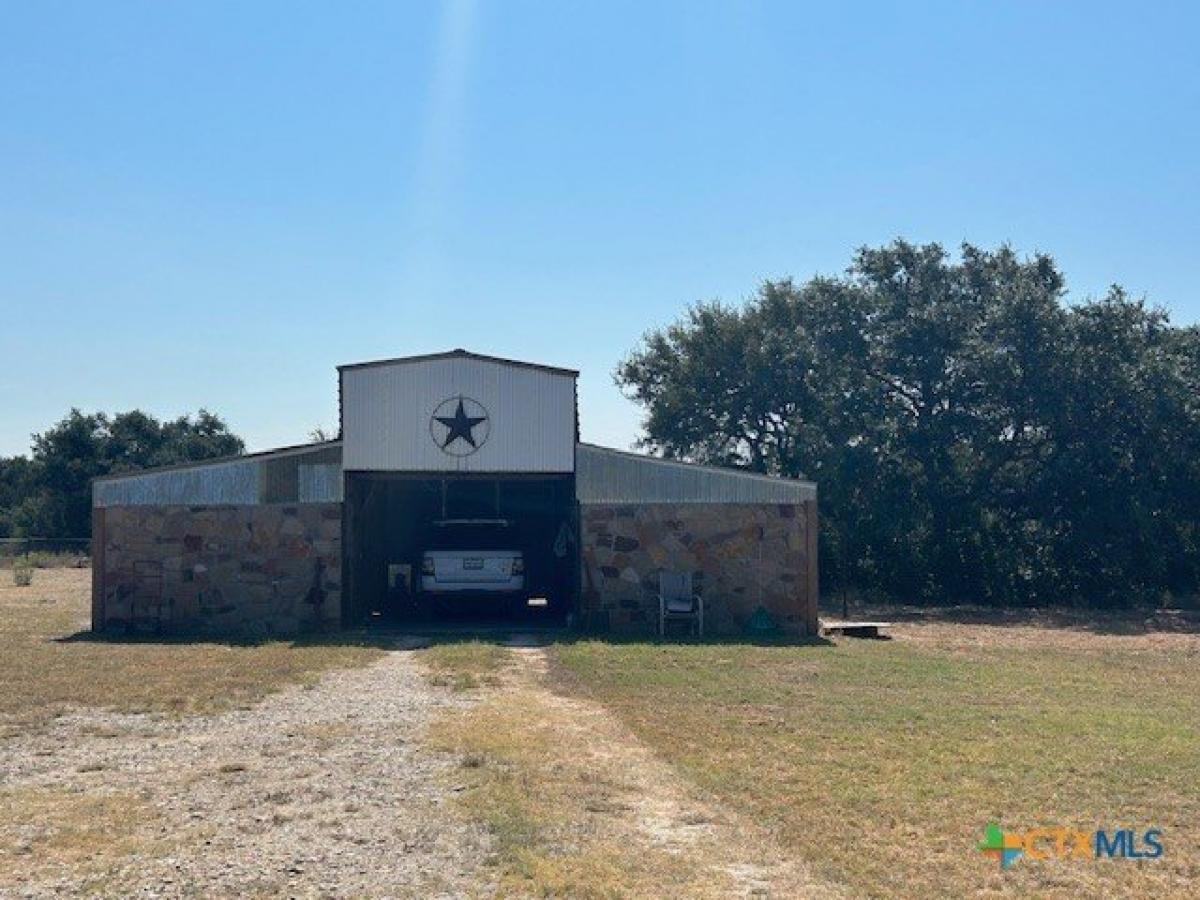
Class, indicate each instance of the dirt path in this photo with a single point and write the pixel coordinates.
(327, 791)
(337, 791)
(614, 798)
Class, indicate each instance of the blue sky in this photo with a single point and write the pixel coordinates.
(214, 204)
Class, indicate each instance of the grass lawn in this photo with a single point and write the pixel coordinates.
(881, 762)
(41, 674)
(538, 789)
(578, 807)
(878, 764)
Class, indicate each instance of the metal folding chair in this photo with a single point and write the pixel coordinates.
(678, 602)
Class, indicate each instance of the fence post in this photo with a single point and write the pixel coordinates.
(98, 569)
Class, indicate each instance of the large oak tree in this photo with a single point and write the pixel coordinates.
(48, 495)
(974, 436)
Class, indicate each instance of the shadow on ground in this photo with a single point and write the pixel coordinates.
(399, 638)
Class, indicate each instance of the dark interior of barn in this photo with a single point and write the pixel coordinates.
(392, 520)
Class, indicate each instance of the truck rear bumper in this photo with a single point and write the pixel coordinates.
(508, 587)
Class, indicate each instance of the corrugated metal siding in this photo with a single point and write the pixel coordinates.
(226, 483)
(320, 483)
(289, 476)
(387, 410)
(611, 476)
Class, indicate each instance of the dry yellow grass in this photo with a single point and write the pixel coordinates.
(465, 665)
(577, 807)
(77, 838)
(43, 671)
(518, 783)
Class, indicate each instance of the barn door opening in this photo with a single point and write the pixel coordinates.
(446, 551)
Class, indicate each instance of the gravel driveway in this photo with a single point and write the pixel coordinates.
(315, 792)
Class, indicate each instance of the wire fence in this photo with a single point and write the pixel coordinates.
(46, 552)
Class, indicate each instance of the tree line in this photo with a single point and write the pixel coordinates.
(48, 493)
(973, 435)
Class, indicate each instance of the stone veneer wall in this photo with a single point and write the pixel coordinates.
(740, 556)
(269, 569)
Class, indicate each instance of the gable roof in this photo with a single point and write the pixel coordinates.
(458, 353)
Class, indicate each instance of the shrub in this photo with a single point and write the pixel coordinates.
(22, 573)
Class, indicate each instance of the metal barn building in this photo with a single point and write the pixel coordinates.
(331, 534)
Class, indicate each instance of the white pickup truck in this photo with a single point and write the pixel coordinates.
(472, 557)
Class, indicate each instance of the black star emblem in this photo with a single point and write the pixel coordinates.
(461, 426)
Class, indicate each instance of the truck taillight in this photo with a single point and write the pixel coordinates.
(427, 566)
(518, 567)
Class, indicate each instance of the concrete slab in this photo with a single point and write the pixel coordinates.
(855, 629)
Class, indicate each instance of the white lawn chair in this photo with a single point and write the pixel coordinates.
(678, 602)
